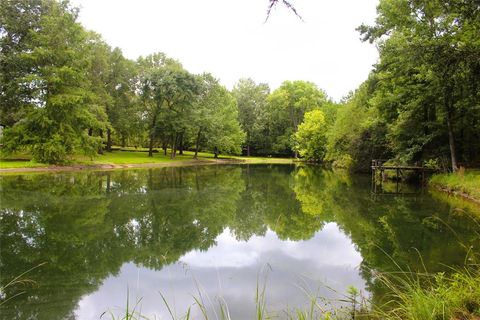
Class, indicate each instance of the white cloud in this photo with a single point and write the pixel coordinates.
(230, 39)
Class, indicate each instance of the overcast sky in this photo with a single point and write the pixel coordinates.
(229, 38)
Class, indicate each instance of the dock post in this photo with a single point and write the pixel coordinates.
(397, 179)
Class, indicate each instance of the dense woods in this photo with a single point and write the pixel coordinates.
(65, 92)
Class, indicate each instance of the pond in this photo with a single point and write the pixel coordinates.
(95, 242)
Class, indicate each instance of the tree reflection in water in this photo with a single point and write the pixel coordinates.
(87, 225)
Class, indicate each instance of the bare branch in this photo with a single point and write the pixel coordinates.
(273, 3)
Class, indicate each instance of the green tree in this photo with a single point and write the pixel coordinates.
(428, 66)
(98, 75)
(311, 137)
(17, 20)
(59, 96)
(287, 107)
(167, 93)
(358, 134)
(251, 101)
(216, 119)
(124, 114)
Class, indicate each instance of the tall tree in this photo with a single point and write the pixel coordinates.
(433, 44)
(124, 113)
(287, 106)
(99, 77)
(216, 119)
(358, 134)
(167, 91)
(59, 94)
(18, 19)
(311, 137)
(251, 100)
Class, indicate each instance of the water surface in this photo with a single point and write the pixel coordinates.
(213, 232)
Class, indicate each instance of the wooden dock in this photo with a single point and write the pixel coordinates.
(379, 170)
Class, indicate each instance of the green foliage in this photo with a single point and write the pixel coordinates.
(467, 183)
(427, 65)
(434, 296)
(252, 102)
(64, 91)
(153, 217)
(215, 119)
(286, 109)
(17, 18)
(311, 137)
(167, 91)
(62, 107)
(124, 114)
(418, 103)
(358, 134)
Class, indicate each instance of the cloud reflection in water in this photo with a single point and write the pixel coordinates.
(230, 270)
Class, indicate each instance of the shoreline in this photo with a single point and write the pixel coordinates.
(112, 166)
(456, 194)
(106, 167)
(463, 185)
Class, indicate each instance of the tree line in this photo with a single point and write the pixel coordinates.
(421, 102)
(64, 91)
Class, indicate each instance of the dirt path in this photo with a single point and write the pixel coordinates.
(78, 167)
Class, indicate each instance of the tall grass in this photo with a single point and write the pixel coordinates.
(203, 303)
(432, 296)
(465, 182)
(413, 296)
(131, 312)
(19, 280)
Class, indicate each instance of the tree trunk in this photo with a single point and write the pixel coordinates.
(164, 147)
(152, 136)
(248, 150)
(451, 141)
(197, 144)
(100, 149)
(109, 140)
(174, 147)
(180, 144)
(150, 147)
(124, 141)
(215, 153)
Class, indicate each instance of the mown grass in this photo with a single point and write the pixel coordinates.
(465, 182)
(126, 157)
(133, 156)
(20, 163)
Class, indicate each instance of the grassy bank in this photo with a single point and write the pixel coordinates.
(462, 183)
(433, 296)
(131, 158)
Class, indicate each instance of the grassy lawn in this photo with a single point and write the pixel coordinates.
(20, 160)
(8, 163)
(129, 157)
(122, 157)
(467, 182)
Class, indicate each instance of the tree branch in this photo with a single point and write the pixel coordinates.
(286, 3)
